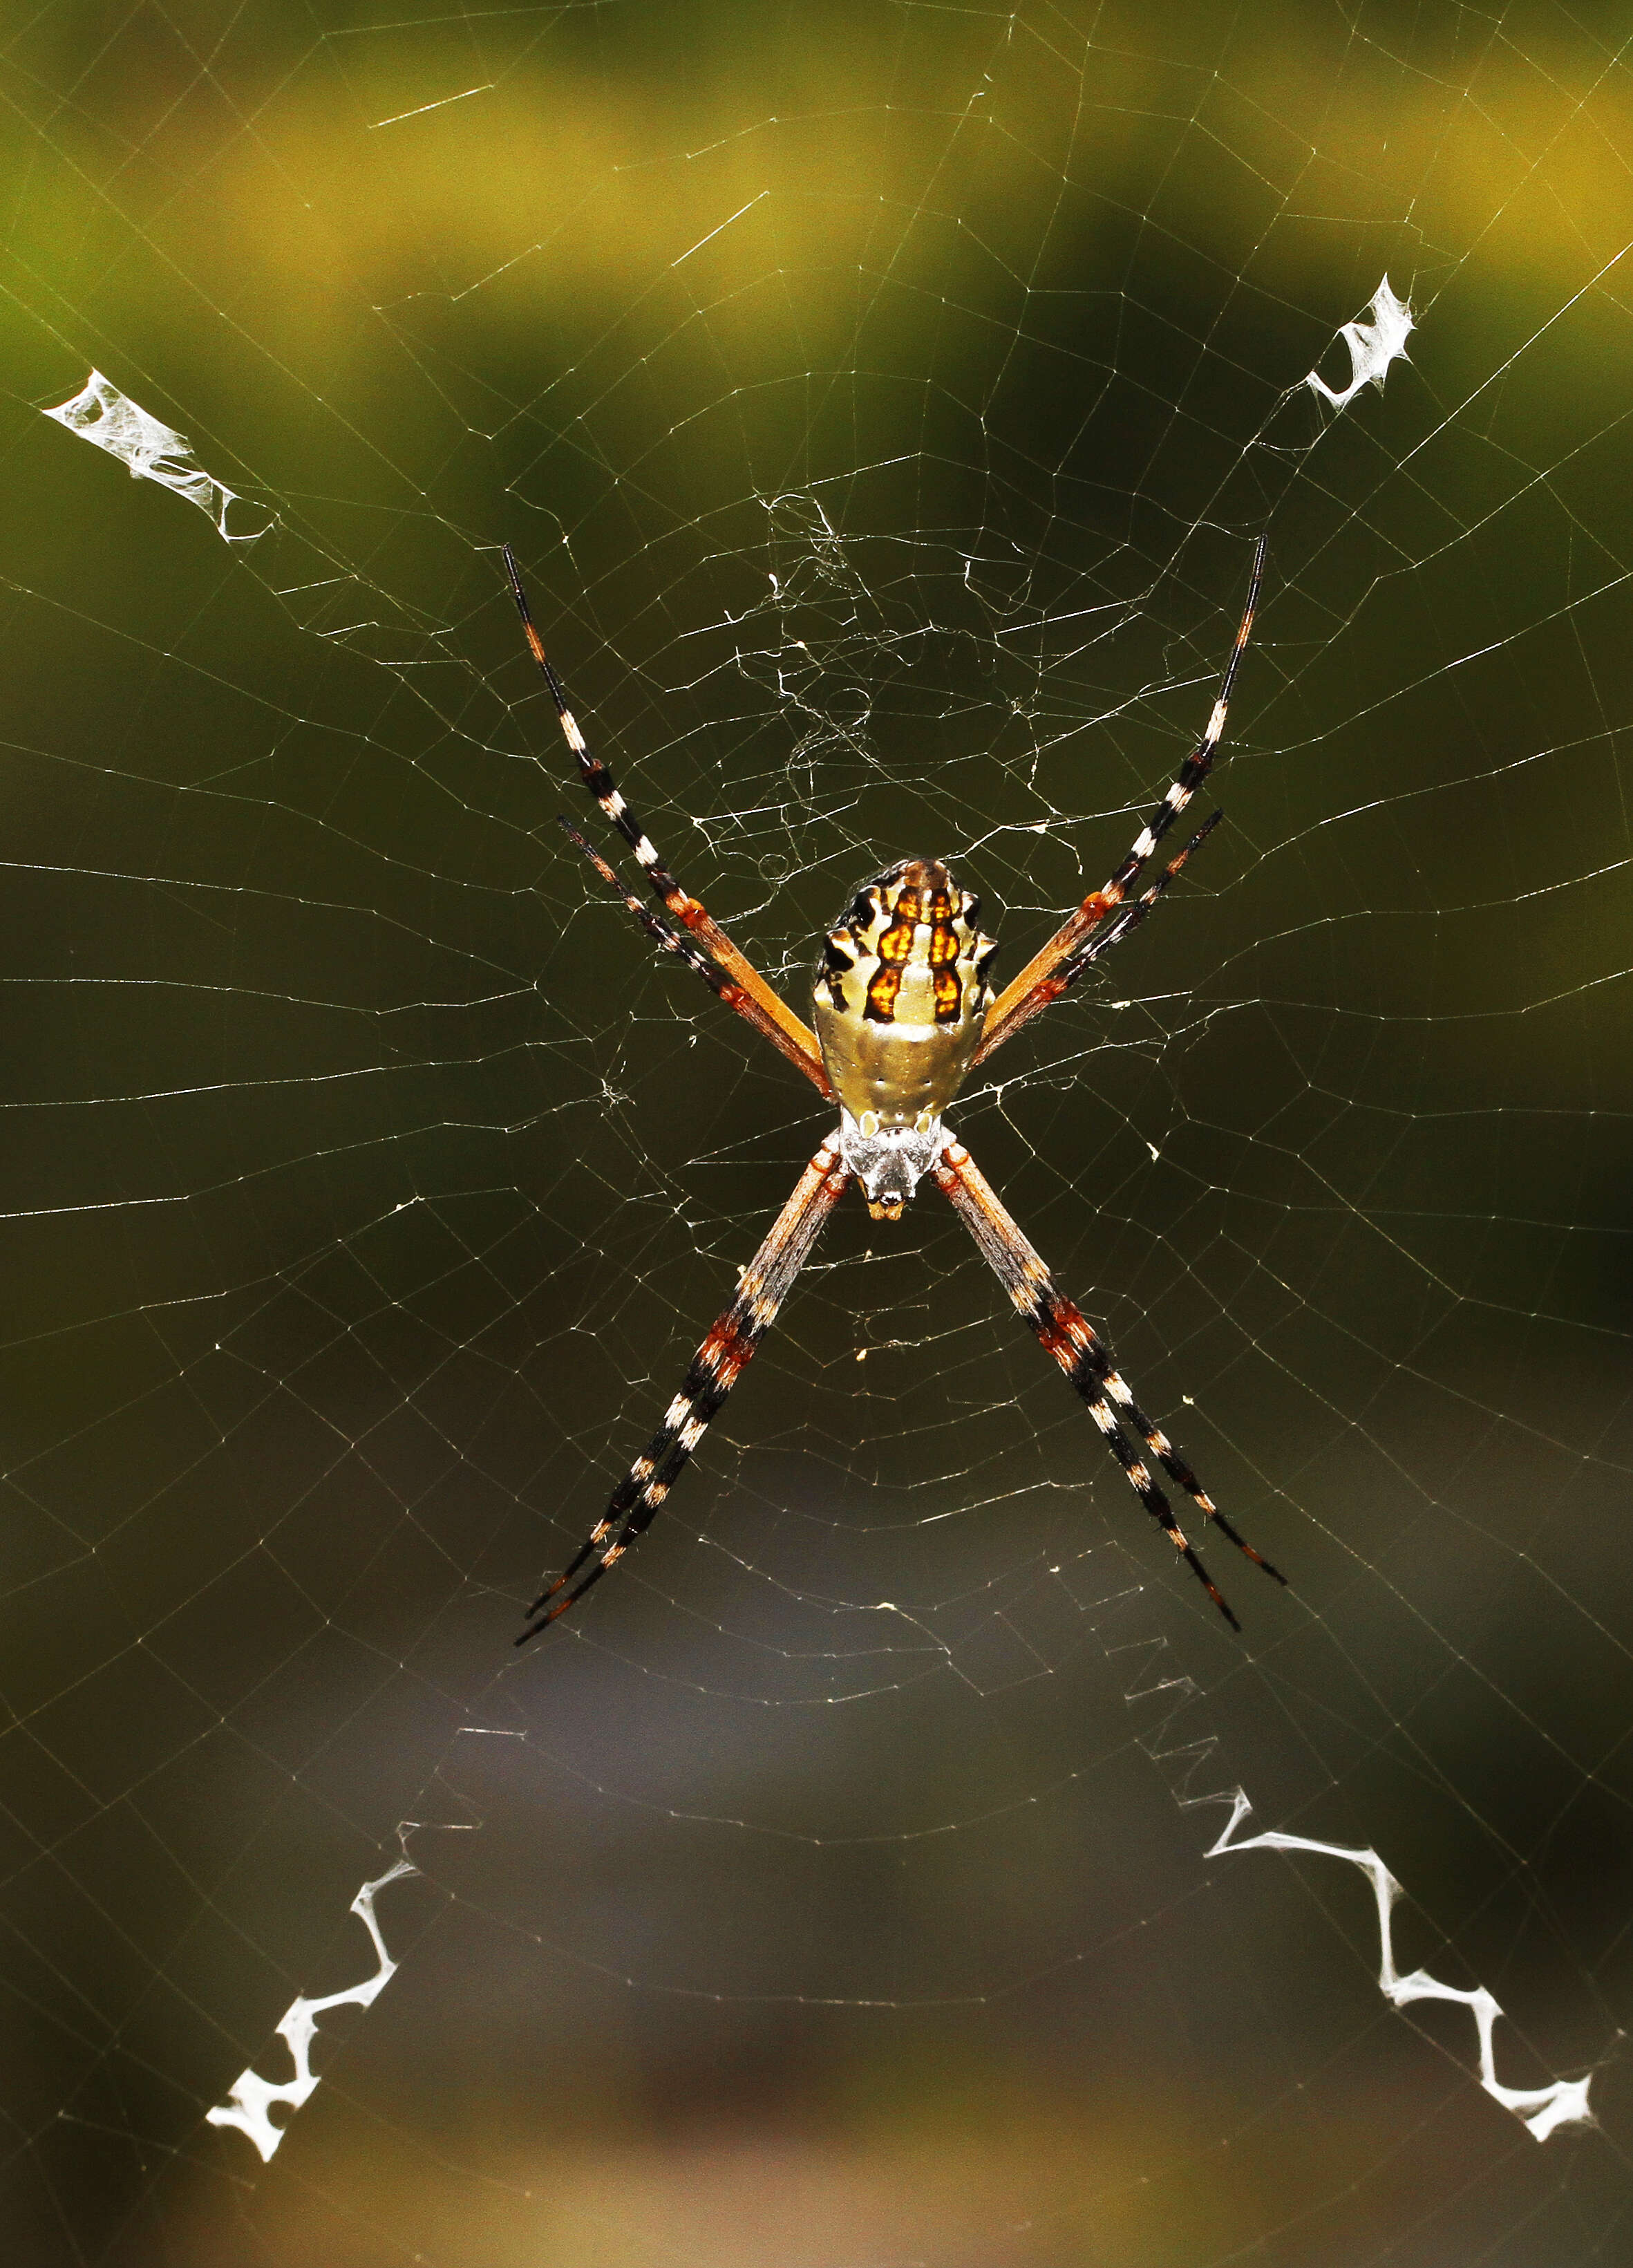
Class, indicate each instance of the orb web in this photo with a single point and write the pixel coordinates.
(883, 406)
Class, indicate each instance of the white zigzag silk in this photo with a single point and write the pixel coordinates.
(250, 2098)
(1540, 2109)
(151, 451)
(1372, 346)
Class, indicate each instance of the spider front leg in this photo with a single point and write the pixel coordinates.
(718, 982)
(1066, 1333)
(687, 909)
(715, 1369)
(1051, 971)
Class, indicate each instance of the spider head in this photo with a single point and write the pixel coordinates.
(889, 1161)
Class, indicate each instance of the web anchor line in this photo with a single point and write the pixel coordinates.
(1540, 2109)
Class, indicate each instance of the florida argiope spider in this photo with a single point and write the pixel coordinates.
(904, 1014)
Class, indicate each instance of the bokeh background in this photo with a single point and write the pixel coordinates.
(883, 400)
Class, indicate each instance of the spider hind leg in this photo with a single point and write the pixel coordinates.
(712, 1372)
(1066, 1333)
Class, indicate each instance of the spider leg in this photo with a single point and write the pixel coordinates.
(715, 1369)
(1050, 988)
(1024, 995)
(718, 982)
(687, 909)
(1066, 1333)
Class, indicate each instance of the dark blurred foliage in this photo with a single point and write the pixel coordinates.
(882, 399)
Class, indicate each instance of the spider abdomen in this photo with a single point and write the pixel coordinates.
(900, 1000)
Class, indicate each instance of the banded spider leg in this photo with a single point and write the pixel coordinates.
(1057, 965)
(1066, 1333)
(687, 909)
(715, 1369)
(721, 986)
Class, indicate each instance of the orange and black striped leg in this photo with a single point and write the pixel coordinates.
(1163, 1449)
(685, 909)
(1023, 997)
(1132, 915)
(1065, 975)
(1066, 1333)
(720, 984)
(715, 1368)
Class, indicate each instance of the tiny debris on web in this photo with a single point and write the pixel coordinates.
(153, 450)
(250, 2098)
(1372, 346)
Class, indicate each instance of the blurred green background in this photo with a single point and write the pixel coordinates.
(883, 400)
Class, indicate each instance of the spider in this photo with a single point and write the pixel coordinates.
(904, 1010)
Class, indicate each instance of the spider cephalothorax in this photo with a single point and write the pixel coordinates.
(901, 998)
(903, 1013)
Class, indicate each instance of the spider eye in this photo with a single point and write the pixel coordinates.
(862, 913)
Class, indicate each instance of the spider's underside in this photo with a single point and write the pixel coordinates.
(903, 1011)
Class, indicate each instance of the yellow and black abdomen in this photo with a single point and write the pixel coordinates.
(901, 996)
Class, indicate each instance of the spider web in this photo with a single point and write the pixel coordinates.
(883, 403)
